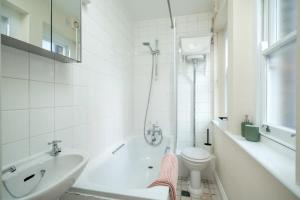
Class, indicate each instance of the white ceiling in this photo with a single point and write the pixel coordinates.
(152, 9)
(70, 9)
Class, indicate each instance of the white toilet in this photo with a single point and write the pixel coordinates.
(195, 159)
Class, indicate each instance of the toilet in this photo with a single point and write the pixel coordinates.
(195, 159)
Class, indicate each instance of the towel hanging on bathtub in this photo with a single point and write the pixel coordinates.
(168, 174)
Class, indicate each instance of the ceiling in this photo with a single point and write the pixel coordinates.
(153, 9)
(70, 9)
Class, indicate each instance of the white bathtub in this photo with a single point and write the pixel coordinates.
(125, 174)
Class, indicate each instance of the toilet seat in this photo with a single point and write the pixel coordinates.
(195, 154)
(196, 160)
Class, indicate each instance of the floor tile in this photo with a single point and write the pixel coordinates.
(185, 198)
(210, 190)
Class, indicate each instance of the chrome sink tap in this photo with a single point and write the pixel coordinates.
(10, 169)
(55, 149)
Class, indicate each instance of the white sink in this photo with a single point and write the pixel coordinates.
(43, 177)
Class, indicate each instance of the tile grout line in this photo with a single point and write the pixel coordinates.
(54, 104)
(29, 103)
(44, 133)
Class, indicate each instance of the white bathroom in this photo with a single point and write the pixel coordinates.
(149, 100)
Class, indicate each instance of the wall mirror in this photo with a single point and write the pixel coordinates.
(28, 21)
(50, 28)
(66, 28)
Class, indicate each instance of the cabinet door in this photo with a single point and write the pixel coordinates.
(66, 28)
(28, 21)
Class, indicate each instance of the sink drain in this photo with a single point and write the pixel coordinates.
(150, 167)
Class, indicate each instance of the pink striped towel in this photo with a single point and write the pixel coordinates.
(168, 174)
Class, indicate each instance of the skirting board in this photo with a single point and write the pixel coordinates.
(220, 186)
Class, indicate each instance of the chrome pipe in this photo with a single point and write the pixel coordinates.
(170, 12)
(194, 102)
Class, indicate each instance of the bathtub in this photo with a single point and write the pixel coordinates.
(124, 174)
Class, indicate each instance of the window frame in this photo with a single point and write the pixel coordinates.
(279, 134)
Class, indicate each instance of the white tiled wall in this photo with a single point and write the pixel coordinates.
(160, 110)
(87, 105)
(193, 26)
(98, 102)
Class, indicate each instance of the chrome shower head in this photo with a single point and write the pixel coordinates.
(148, 44)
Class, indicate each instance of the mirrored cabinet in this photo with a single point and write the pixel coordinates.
(51, 28)
(66, 28)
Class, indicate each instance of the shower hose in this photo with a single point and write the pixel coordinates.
(149, 97)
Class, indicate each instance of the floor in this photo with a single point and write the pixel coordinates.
(210, 190)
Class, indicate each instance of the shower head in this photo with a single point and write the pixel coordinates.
(148, 44)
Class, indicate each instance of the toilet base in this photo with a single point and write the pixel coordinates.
(195, 193)
(195, 187)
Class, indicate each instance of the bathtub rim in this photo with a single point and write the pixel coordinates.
(84, 187)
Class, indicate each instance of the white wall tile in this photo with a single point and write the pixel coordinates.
(63, 73)
(13, 152)
(66, 136)
(15, 63)
(41, 68)
(81, 96)
(40, 143)
(80, 76)
(100, 84)
(63, 95)
(14, 125)
(41, 94)
(41, 121)
(63, 117)
(80, 115)
(14, 94)
(80, 137)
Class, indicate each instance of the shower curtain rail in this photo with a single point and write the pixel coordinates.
(170, 12)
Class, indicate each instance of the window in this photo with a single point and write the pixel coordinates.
(226, 75)
(46, 44)
(279, 70)
(4, 25)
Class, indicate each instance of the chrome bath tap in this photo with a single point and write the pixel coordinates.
(155, 133)
(55, 149)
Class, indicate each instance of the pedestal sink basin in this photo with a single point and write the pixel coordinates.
(42, 177)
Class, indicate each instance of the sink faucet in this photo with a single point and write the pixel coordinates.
(10, 169)
(55, 149)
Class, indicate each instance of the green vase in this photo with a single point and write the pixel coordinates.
(252, 133)
(243, 127)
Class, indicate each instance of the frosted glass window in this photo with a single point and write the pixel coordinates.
(281, 87)
(282, 19)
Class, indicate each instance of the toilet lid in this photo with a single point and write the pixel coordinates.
(195, 153)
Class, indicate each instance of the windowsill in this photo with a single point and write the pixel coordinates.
(275, 158)
(280, 142)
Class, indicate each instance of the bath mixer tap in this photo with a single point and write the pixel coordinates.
(155, 133)
(55, 149)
